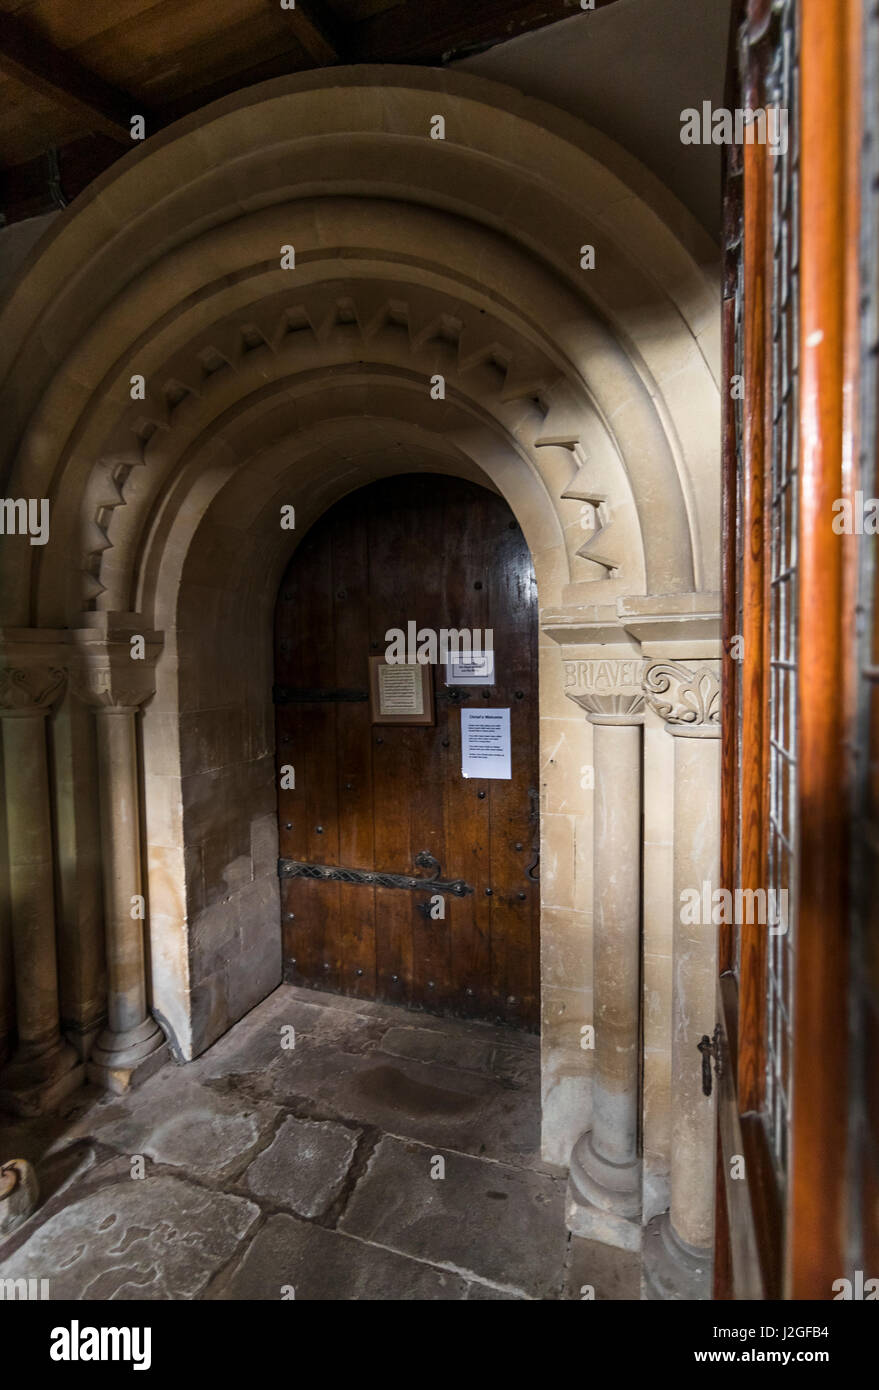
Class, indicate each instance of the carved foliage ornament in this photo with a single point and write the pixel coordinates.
(30, 687)
(693, 697)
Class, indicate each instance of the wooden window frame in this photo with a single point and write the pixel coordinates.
(791, 1242)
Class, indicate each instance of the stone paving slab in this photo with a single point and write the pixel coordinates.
(357, 1026)
(154, 1238)
(305, 1165)
(427, 1045)
(484, 1293)
(254, 1043)
(517, 1067)
(502, 1224)
(326, 1265)
(264, 1034)
(440, 1105)
(173, 1119)
(514, 1065)
(390, 1014)
(610, 1273)
(360, 1073)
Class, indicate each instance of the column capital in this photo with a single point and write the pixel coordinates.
(688, 700)
(613, 709)
(30, 689)
(607, 688)
(32, 670)
(112, 684)
(113, 661)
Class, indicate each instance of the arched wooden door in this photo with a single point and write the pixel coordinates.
(389, 800)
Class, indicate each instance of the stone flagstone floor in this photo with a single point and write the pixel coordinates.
(271, 1171)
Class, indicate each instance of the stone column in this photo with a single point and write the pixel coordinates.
(678, 1244)
(43, 1068)
(604, 1193)
(116, 683)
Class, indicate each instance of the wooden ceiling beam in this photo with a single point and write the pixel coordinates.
(418, 32)
(314, 34)
(37, 64)
(410, 32)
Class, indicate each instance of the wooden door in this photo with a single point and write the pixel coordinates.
(794, 1171)
(390, 799)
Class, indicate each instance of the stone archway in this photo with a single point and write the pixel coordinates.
(587, 394)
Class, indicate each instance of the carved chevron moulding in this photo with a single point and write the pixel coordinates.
(229, 345)
(521, 373)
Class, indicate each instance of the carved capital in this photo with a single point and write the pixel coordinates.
(113, 682)
(30, 688)
(606, 687)
(683, 697)
(619, 709)
(114, 666)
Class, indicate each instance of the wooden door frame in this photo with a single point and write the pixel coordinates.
(748, 1234)
(765, 1251)
(863, 1247)
(815, 1253)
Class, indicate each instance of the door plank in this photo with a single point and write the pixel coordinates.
(467, 812)
(393, 565)
(510, 583)
(350, 546)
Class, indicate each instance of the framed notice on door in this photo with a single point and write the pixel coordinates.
(400, 694)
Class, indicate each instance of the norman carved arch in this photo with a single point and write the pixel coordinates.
(170, 267)
(588, 397)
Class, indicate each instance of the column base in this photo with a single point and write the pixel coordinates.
(19, 1193)
(36, 1084)
(82, 1040)
(604, 1199)
(671, 1269)
(119, 1061)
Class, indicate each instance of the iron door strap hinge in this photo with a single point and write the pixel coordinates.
(709, 1049)
(333, 873)
(533, 870)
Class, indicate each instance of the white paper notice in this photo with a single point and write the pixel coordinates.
(475, 669)
(400, 690)
(485, 743)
